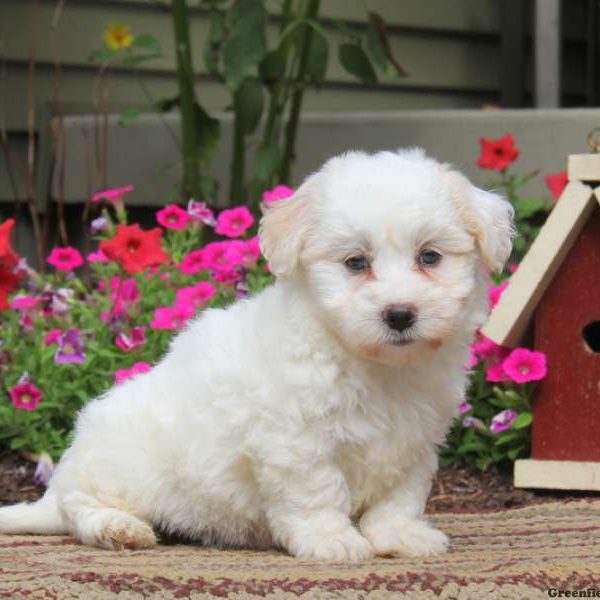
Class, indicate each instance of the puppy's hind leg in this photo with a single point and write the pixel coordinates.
(97, 524)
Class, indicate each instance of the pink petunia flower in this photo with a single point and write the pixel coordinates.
(26, 322)
(488, 349)
(25, 303)
(523, 365)
(97, 257)
(227, 277)
(494, 373)
(169, 318)
(25, 395)
(124, 294)
(173, 217)
(234, 222)
(472, 361)
(279, 192)
(128, 342)
(223, 256)
(196, 295)
(65, 259)
(200, 213)
(113, 195)
(52, 337)
(122, 375)
(249, 250)
(193, 262)
(503, 420)
(557, 182)
(495, 292)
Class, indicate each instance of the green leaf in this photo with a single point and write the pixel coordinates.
(512, 397)
(272, 66)
(248, 103)
(217, 27)
(148, 42)
(527, 207)
(513, 453)
(506, 437)
(127, 116)
(356, 62)
(212, 49)
(103, 55)
(268, 159)
(209, 132)
(245, 46)
(318, 57)
(378, 47)
(523, 420)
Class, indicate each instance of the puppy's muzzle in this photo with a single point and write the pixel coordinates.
(400, 317)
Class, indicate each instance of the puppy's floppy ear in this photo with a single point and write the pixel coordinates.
(488, 217)
(283, 229)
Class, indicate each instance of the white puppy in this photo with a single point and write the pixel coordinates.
(308, 416)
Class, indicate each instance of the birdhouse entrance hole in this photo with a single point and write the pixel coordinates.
(591, 336)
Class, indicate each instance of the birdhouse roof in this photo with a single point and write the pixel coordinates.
(581, 197)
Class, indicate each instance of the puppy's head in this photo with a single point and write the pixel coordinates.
(388, 248)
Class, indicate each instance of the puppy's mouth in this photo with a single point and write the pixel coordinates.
(397, 339)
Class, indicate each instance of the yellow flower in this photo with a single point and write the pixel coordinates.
(118, 36)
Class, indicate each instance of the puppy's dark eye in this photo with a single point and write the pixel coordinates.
(357, 263)
(429, 258)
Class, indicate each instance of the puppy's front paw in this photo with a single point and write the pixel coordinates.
(409, 537)
(344, 545)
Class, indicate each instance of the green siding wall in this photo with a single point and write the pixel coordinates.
(449, 47)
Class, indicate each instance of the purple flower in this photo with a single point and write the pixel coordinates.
(70, 348)
(473, 422)
(241, 285)
(198, 211)
(56, 302)
(503, 420)
(43, 470)
(99, 225)
(464, 407)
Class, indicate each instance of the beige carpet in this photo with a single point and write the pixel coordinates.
(512, 554)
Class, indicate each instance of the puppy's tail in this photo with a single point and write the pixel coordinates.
(42, 517)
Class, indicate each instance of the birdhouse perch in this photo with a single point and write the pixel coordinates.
(557, 290)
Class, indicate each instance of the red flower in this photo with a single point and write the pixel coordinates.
(557, 182)
(497, 154)
(8, 256)
(135, 249)
(8, 261)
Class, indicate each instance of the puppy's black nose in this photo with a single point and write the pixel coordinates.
(400, 316)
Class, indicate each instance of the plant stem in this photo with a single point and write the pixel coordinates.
(291, 129)
(187, 101)
(238, 166)
(275, 106)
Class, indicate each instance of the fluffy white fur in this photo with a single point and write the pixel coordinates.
(297, 418)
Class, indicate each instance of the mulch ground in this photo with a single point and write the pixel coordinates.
(454, 490)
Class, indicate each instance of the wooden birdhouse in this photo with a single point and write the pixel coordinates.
(556, 291)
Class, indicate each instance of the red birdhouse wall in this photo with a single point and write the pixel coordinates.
(566, 424)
